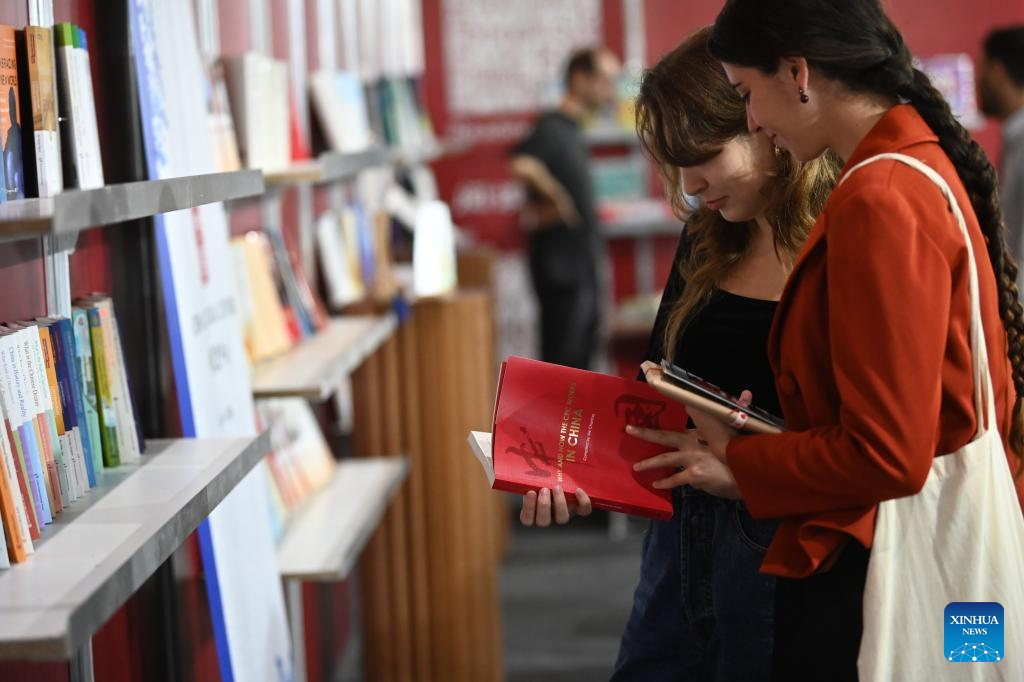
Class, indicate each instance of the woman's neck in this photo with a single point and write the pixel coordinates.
(850, 118)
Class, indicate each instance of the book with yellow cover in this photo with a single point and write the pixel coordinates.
(267, 334)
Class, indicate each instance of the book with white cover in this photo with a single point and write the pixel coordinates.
(340, 105)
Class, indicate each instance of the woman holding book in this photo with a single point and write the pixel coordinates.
(701, 600)
(871, 345)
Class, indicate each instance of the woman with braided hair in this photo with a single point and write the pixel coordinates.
(870, 345)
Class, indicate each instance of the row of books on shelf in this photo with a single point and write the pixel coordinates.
(254, 117)
(48, 129)
(68, 414)
(300, 462)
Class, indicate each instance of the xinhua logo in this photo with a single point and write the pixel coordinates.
(974, 632)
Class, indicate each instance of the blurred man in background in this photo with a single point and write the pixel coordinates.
(1001, 93)
(560, 214)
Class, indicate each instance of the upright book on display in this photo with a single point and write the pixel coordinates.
(10, 118)
(559, 426)
(40, 136)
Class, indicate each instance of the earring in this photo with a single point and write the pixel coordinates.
(804, 99)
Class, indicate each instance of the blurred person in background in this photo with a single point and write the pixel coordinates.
(1001, 94)
(700, 598)
(560, 215)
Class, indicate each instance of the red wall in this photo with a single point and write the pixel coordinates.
(930, 27)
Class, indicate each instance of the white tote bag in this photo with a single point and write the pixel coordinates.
(961, 539)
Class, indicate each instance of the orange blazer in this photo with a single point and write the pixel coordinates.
(871, 353)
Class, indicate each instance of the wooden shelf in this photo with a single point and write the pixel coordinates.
(101, 549)
(314, 369)
(324, 539)
(75, 210)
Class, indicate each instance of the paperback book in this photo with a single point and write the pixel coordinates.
(559, 426)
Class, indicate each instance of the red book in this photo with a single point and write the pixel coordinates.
(556, 425)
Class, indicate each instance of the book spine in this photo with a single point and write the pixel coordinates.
(27, 434)
(56, 408)
(66, 353)
(67, 405)
(126, 418)
(12, 507)
(87, 376)
(5, 560)
(116, 385)
(92, 136)
(104, 404)
(49, 449)
(46, 420)
(67, 106)
(33, 511)
(15, 483)
(21, 475)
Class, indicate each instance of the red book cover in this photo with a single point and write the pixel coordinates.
(557, 425)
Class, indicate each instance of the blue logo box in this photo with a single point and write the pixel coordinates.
(974, 632)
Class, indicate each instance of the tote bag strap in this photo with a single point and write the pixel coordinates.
(984, 401)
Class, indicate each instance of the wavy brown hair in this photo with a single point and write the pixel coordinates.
(686, 112)
(855, 43)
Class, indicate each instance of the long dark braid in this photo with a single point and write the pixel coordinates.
(874, 59)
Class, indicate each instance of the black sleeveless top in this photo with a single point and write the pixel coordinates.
(726, 342)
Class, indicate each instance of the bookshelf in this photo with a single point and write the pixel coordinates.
(314, 368)
(75, 210)
(101, 549)
(327, 535)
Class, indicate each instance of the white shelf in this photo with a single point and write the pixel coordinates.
(75, 210)
(325, 538)
(101, 549)
(316, 367)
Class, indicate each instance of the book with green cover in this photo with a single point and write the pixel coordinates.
(104, 398)
(87, 378)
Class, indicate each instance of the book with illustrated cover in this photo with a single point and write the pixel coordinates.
(10, 117)
(559, 426)
(40, 136)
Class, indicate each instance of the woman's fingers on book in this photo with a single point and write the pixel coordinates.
(543, 517)
(670, 438)
(560, 505)
(583, 506)
(528, 513)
